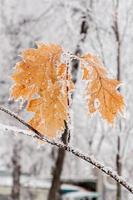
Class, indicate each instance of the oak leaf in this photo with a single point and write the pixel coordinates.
(102, 91)
(41, 79)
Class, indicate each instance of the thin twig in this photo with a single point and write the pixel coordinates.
(83, 156)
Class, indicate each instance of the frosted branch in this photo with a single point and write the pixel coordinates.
(7, 128)
(90, 159)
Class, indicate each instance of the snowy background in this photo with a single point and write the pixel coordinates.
(59, 21)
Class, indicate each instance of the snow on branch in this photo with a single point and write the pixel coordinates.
(14, 129)
(90, 159)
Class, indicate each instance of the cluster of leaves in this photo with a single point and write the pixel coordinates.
(44, 81)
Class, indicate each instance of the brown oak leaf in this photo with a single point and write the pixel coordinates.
(41, 79)
(102, 92)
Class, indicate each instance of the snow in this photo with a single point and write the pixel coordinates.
(59, 22)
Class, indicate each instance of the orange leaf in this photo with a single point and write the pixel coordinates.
(41, 79)
(102, 91)
(85, 74)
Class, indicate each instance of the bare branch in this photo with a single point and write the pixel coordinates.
(83, 156)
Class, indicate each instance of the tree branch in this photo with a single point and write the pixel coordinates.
(83, 156)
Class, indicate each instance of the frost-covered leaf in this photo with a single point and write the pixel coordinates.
(41, 79)
(102, 92)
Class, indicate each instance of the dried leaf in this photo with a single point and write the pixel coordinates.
(102, 91)
(41, 79)
(85, 74)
